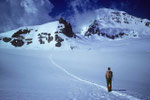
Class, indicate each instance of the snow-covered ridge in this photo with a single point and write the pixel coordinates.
(49, 35)
(115, 24)
(109, 24)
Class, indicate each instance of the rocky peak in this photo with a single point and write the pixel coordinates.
(114, 24)
(104, 32)
(67, 29)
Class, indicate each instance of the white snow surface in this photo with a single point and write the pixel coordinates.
(58, 75)
(78, 74)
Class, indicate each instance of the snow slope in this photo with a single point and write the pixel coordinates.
(45, 36)
(114, 24)
(38, 75)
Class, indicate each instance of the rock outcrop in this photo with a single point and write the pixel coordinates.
(67, 30)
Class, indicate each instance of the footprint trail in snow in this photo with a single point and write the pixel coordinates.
(101, 96)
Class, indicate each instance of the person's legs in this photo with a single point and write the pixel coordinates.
(108, 84)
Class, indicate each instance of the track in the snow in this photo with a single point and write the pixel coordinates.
(91, 83)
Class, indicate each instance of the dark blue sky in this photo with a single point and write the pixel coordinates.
(139, 8)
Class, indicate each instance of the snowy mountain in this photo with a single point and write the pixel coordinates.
(48, 35)
(117, 24)
(109, 24)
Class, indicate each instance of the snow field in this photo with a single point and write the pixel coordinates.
(37, 75)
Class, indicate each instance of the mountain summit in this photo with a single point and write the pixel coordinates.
(117, 24)
(51, 34)
(109, 24)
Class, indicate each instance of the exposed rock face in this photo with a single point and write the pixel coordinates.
(111, 33)
(6, 39)
(67, 30)
(18, 39)
(21, 32)
(45, 37)
(58, 39)
(147, 24)
(17, 42)
(29, 41)
(58, 44)
(94, 29)
(105, 24)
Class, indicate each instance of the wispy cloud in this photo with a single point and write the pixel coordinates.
(81, 13)
(17, 13)
(120, 5)
(82, 5)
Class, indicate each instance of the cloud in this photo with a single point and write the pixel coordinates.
(83, 20)
(82, 5)
(17, 13)
(81, 13)
(120, 5)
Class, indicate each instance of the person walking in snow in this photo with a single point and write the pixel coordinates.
(109, 75)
